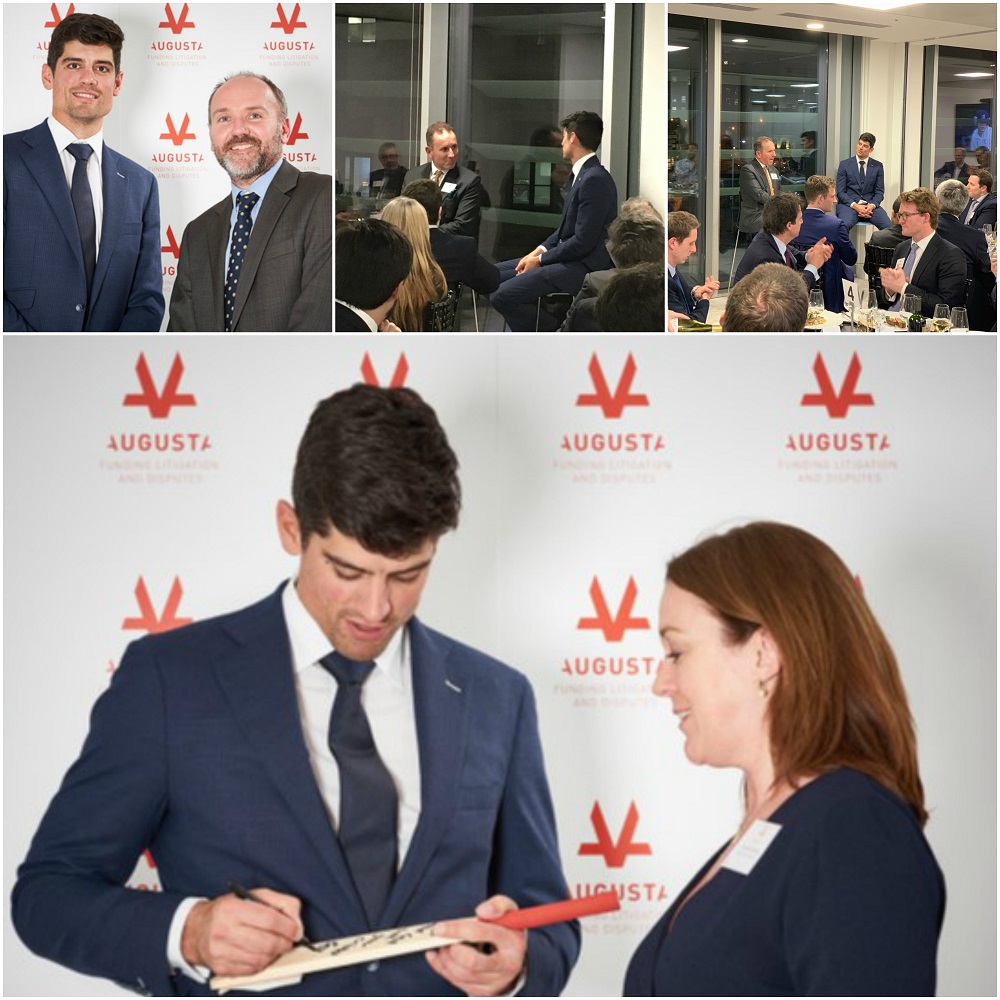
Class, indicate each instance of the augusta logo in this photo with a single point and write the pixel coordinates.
(837, 402)
(289, 24)
(176, 24)
(613, 627)
(296, 132)
(159, 403)
(172, 246)
(148, 620)
(175, 135)
(615, 852)
(398, 376)
(57, 17)
(612, 404)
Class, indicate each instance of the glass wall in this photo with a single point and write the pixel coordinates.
(515, 70)
(378, 136)
(687, 156)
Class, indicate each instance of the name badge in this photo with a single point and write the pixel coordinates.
(751, 847)
(448, 187)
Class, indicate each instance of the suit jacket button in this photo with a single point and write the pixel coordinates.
(372, 967)
(79, 308)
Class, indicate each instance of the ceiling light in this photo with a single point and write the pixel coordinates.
(774, 95)
(814, 27)
(804, 85)
(739, 41)
(677, 48)
(757, 90)
(974, 76)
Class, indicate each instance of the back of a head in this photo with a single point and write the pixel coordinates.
(772, 298)
(635, 239)
(428, 194)
(633, 300)
(587, 125)
(638, 207)
(779, 211)
(952, 196)
(373, 257)
(410, 218)
(375, 464)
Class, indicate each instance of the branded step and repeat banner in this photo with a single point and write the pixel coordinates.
(173, 56)
(142, 477)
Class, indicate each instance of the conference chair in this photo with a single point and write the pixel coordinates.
(876, 257)
(439, 317)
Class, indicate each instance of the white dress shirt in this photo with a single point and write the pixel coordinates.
(62, 137)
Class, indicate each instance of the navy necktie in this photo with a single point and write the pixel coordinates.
(83, 206)
(863, 162)
(245, 202)
(369, 804)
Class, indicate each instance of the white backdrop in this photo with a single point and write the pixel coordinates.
(173, 55)
(571, 510)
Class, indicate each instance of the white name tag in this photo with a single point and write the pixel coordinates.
(751, 846)
(448, 187)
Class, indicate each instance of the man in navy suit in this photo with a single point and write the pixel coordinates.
(982, 208)
(952, 197)
(577, 247)
(81, 245)
(817, 224)
(220, 747)
(373, 260)
(682, 242)
(861, 187)
(782, 220)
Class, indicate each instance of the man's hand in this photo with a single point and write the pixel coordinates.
(467, 968)
(238, 937)
(893, 279)
(819, 253)
(707, 290)
(528, 261)
(864, 211)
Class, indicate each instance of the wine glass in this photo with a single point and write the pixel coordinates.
(942, 318)
(816, 304)
(911, 304)
(867, 307)
(959, 320)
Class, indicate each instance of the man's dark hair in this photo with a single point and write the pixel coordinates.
(428, 194)
(588, 127)
(634, 240)
(895, 206)
(632, 301)
(436, 128)
(867, 137)
(373, 257)
(89, 29)
(985, 178)
(811, 136)
(772, 298)
(376, 465)
(779, 211)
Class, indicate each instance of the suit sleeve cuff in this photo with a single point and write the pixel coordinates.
(813, 269)
(198, 973)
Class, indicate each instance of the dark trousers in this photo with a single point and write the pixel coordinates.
(517, 297)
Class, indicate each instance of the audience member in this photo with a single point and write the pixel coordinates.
(461, 188)
(954, 170)
(817, 223)
(953, 197)
(758, 183)
(458, 256)
(682, 242)
(861, 187)
(387, 182)
(771, 299)
(634, 237)
(982, 208)
(688, 168)
(632, 301)
(426, 281)
(373, 259)
(892, 236)
(982, 157)
(577, 247)
(782, 220)
(807, 165)
(924, 264)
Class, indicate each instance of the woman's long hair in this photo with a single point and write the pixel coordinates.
(839, 699)
(426, 282)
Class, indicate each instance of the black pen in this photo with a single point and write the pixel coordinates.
(241, 892)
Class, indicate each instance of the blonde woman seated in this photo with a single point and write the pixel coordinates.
(426, 282)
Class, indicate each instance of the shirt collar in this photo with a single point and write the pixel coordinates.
(372, 325)
(62, 137)
(260, 185)
(309, 644)
(578, 166)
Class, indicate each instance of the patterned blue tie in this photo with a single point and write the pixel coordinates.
(241, 239)
(907, 270)
(83, 206)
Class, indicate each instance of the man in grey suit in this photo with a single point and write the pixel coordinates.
(758, 184)
(260, 260)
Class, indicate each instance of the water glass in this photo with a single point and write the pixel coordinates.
(959, 320)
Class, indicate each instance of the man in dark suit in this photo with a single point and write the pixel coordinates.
(892, 236)
(782, 221)
(388, 181)
(807, 165)
(759, 182)
(577, 247)
(81, 244)
(817, 224)
(461, 188)
(458, 256)
(861, 187)
(260, 260)
(925, 264)
(982, 208)
(373, 259)
(223, 748)
(954, 170)
(952, 197)
(682, 242)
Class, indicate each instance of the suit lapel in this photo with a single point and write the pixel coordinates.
(216, 238)
(441, 697)
(258, 683)
(114, 187)
(928, 257)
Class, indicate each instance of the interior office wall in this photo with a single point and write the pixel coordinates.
(558, 493)
(653, 139)
(881, 113)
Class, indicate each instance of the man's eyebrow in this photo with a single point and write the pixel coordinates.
(97, 62)
(252, 107)
(344, 564)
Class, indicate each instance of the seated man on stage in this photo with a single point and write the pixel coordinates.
(861, 187)
(782, 221)
(577, 247)
(682, 242)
